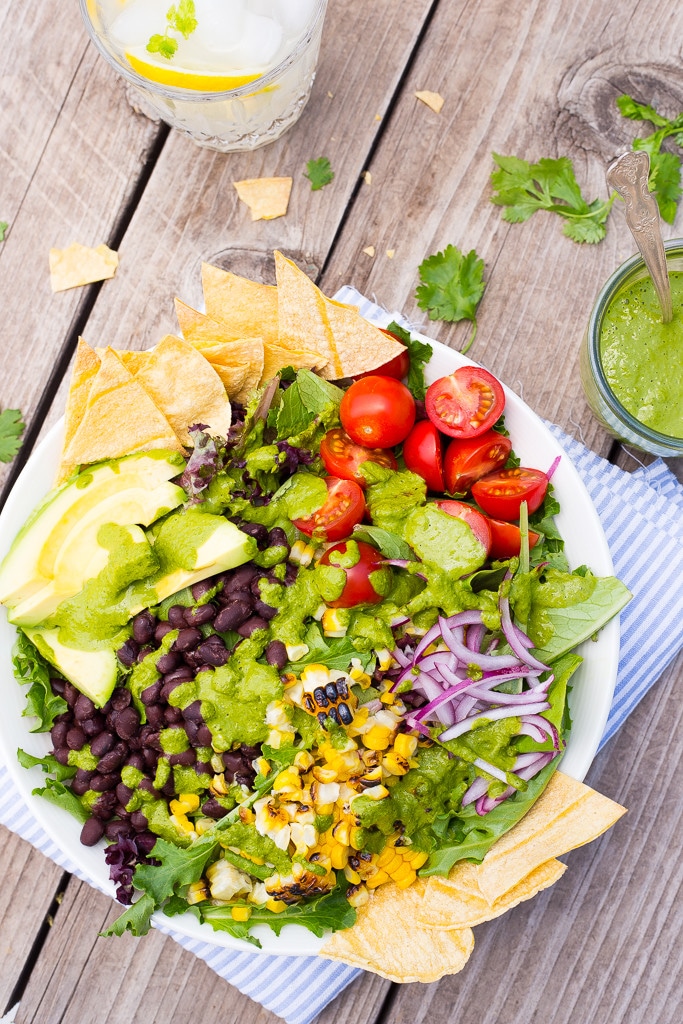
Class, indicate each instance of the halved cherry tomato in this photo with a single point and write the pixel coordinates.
(377, 412)
(358, 588)
(506, 539)
(397, 367)
(478, 523)
(422, 451)
(466, 403)
(343, 509)
(343, 458)
(469, 459)
(501, 493)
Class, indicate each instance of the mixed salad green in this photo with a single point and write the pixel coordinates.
(376, 688)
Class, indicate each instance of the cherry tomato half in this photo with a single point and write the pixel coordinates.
(377, 412)
(478, 523)
(342, 458)
(501, 493)
(466, 403)
(343, 509)
(422, 451)
(469, 459)
(506, 539)
(358, 588)
(397, 367)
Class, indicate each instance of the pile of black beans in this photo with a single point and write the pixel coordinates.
(115, 732)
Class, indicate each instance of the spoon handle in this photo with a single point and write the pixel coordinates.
(628, 175)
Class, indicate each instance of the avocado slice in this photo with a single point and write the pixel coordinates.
(133, 489)
(94, 673)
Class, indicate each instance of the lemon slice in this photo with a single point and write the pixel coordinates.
(184, 78)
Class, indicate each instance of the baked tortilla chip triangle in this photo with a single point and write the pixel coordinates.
(246, 308)
(86, 365)
(456, 902)
(78, 265)
(134, 361)
(239, 364)
(307, 319)
(267, 198)
(185, 387)
(387, 940)
(120, 418)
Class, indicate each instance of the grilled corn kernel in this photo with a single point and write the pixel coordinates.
(287, 781)
(276, 906)
(301, 553)
(240, 913)
(339, 856)
(386, 856)
(203, 825)
(360, 677)
(324, 774)
(403, 872)
(182, 822)
(384, 659)
(262, 766)
(217, 762)
(357, 895)
(304, 760)
(416, 860)
(351, 875)
(189, 802)
(296, 651)
(218, 785)
(313, 676)
(394, 763)
(377, 738)
(197, 892)
(379, 879)
(334, 623)
(405, 745)
(246, 815)
(341, 832)
(356, 837)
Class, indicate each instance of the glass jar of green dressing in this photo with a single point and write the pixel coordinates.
(632, 363)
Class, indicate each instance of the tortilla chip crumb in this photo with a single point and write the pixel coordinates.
(267, 198)
(367, 177)
(79, 265)
(369, 250)
(331, 95)
(433, 100)
(378, 117)
(391, 253)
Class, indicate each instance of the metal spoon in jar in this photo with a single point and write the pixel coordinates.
(628, 175)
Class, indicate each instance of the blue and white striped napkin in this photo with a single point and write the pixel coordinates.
(642, 516)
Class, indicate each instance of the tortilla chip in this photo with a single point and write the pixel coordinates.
(267, 198)
(245, 308)
(134, 361)
(79, 265)
(120, 418)
(433, 100)
(86, 365)
(307, 319)
(239, 364)
(456, 902)
(387, 940)
(185, 387)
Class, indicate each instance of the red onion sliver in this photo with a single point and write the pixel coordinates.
(489, 715)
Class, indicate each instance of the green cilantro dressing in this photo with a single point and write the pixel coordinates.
(643, 357)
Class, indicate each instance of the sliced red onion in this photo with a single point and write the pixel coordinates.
(534, 719)
(556, 461)
(492, 715)
(427, 640)
(510, 632)
(401, 657)
(402, 563)
(496, 697)
(443, 698)
(475, 636)
(491, 769)
(469, 657)
(465, 705)
(478, 789)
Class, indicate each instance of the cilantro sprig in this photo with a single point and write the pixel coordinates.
(11, 428)
(181, 19)
(319, 173)
(4, 227)
(523, 188)
(665, 168)
(452, 287)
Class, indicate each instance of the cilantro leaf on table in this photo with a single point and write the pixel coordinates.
(319, 173)
(3, 230)
(452, 286)
(665, 168)
(523, 188)
(420, 353)
(11, 428)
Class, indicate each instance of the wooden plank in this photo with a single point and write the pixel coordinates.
(30, 883)
(80, 977)
(71, 156)
(514, 82)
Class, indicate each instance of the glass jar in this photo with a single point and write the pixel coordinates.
(601, 398)
(241, 118)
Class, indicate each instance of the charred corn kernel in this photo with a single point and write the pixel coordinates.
(304, 760)
(197, 892)
(356, 837)
(386, 856)
(416, 860)
(377, 738)
(324, 774)
(218, 785)
(240, 913)
(323, 809)
(358, 724)
(405, 745)
(393, 865)
(287, 781)
(314, 675)
(262, 766)
(394, 763)
(296, 651)
(324, 793)
(276, 906)
(247, 815)
(351, 875)
(373, 774)
(189, 802)
(203, 825)
(298, 870)
(334, 623)
(360, 677)
(384, 659)
(341, 832)
(403, 883)
(226, 881)
(357, 895)
(403, 872)
(289, 679)
(301, 553)
(339, 856)
(387, 697)
(182, 822)
(217, 762)
(379, 879)
(376, 792)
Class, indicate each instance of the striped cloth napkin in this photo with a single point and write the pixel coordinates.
(642, 515)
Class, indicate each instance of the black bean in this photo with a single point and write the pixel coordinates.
(71, 694)
(92, 832)
(75, 738)
(115, 830)
(213, 652)
(232, 760)
(193, 712)
(168, 789)
(138, 821)
(255, 587)
(203, 767)
(204, 736)
(155, 716)
(252, 625)
(102, 744)
(166, 663)
(202, 588)
(134, 742)
(162, 629)
(187, 639)
(200, 614)
(242, 577)
(291, 573)
(258, 531)
(121, 812)
(176, 616)
(148, 786)
(172, 715)
(94, 726)
(83, 708)
(80, 783)
(149, 737)
(145, 842)
(345, 714)
(144, 626)
(151, 694)
(276, 654)
(182, 674)
(232, 616)
(61, 754)
(136, 761)
(192, 728)
(58, 733)
(128, 653)
(331, 692)
(127, 723)
(103, 783)
(266, 611)
(58, 686)
(193, 660)
(144, 651)
(232, 596)
(112, 760)
(250, 752)
(185, 757)
(121, 698)
(123, 793)
(212, 809)
(150, 757)
(277, 538)
(321, 698)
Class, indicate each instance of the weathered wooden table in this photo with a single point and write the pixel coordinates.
(527, 77)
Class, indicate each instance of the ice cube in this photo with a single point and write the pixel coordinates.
(259, 43)
(220, 24)
(139, 20)
(294, 15)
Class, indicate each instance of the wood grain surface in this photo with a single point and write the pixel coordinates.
(532, 78)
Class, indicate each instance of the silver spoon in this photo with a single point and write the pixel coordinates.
(628, 175)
